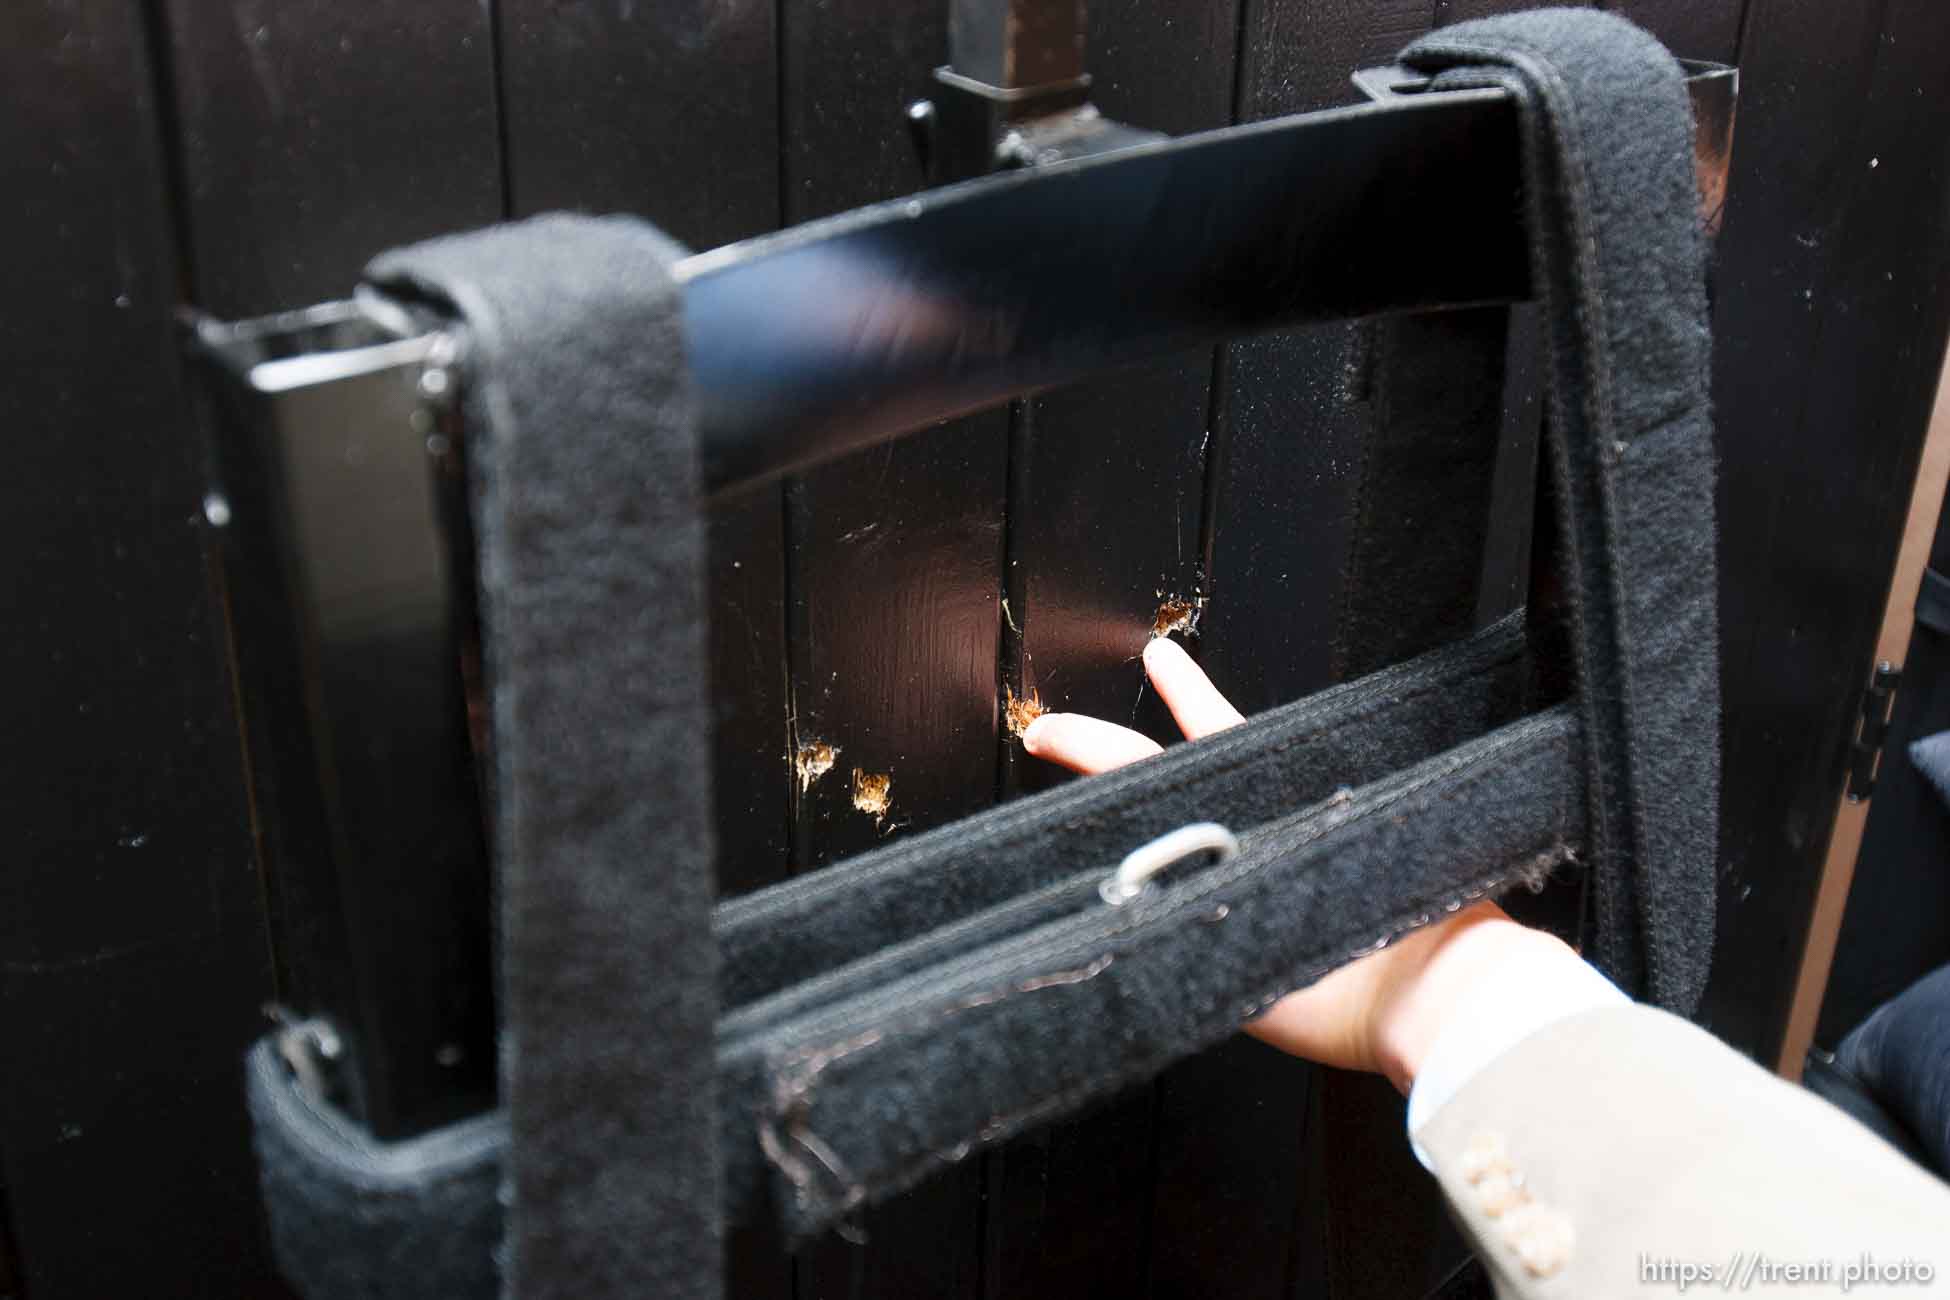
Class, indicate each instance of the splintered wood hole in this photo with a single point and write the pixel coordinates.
(814, 760)
(873, 792)
(1019, 712)
(1176, 614)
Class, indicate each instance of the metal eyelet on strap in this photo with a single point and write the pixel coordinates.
(1136, 870)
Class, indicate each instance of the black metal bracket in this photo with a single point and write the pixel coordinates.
(970, 129)
(335, 517)
(1014, 93)
(1871, 729)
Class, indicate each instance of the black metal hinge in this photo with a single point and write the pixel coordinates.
(1871, 726)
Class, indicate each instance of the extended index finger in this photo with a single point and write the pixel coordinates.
(1086, 744)
(1190, 695)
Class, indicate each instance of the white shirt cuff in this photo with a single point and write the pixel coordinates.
(1520, 997)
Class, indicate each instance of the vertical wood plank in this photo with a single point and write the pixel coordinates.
(9, 1257)
(1833, 293)
(1691, 29)
(1298, 54)
(132, 948)
(894, 578)
(664, 109)
(316, 135)
(1104, 519)
(1288, 426)
(1113, 480)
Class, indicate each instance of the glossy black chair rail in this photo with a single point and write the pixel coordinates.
(842, 333)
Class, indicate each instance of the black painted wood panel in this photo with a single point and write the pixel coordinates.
(664, 108)
(1104, 529)
(1830, 324)
(132, 955)
(316, 135)
(1287, 422)
(1691, 29)
(894, 618)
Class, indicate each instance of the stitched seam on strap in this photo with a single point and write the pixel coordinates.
(1260, 858)
(1403, 919)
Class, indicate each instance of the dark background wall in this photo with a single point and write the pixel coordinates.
(250, 155)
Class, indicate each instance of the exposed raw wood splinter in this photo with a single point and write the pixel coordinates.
(1177, 615)
(1019, 712)
(873, 792)
(814, 760)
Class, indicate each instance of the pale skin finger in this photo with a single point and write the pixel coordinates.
(1190, 695)
(1086, 744)
(1091, 745)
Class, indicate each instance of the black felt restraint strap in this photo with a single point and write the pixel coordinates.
(803, 950)
(1617, 257)
(777, 942)
(870, 1095)
(587, 511)
(350, 1216)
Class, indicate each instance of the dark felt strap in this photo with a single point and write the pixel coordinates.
(591, 548)
(354, 1217)
(1617, 258)
(800, 952)
(897, 915)
(871, 1095)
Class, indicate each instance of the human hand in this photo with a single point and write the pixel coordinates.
(1380, 1013)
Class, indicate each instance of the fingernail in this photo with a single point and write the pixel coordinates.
(1162, 645)
(1032, 735)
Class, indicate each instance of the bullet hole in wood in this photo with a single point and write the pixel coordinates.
(1019, 712)
(1176, 614)
(873, 793)
(814, 760)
